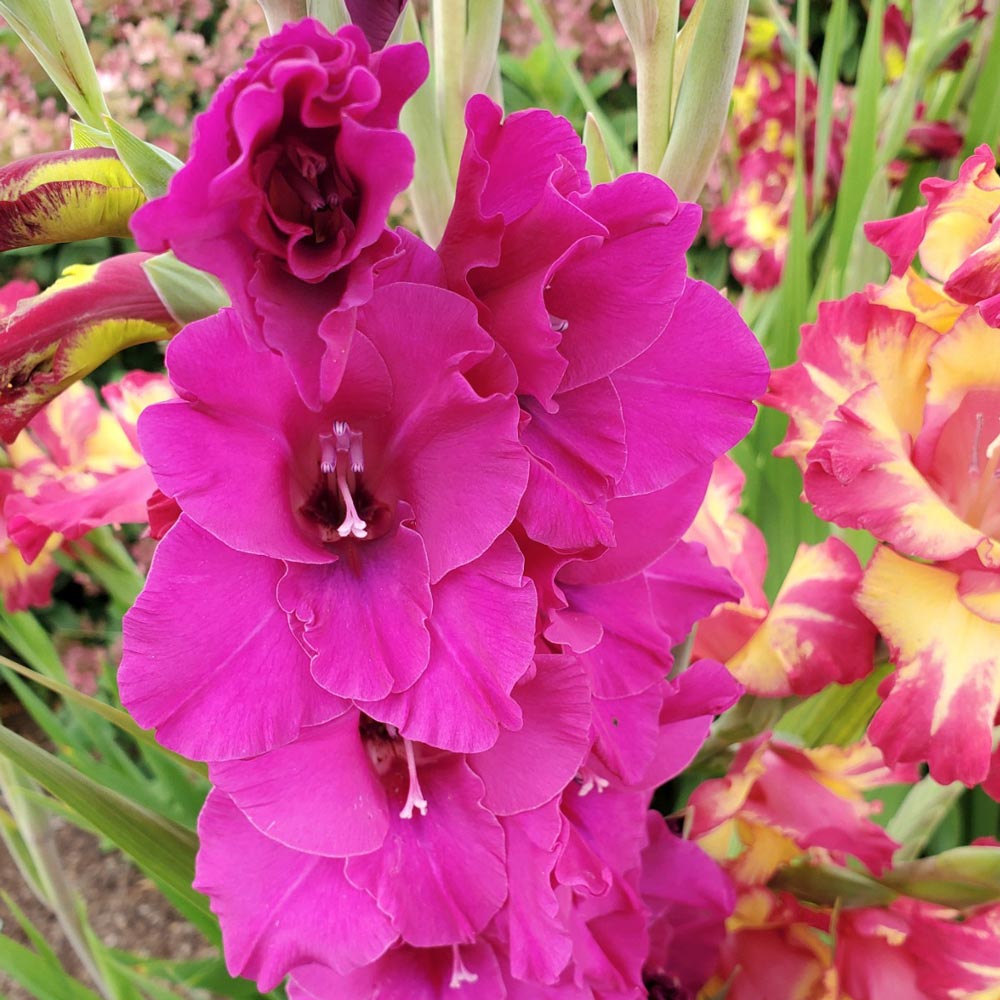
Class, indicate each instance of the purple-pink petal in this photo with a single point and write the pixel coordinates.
(540, 945)
(281, 908)
(364, 617)
(527, 768)
(209, 659)
(482, 641)
(318, 794)
(439, 877)
(688, 398)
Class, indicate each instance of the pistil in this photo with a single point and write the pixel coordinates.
(415, 797)
(459, 973)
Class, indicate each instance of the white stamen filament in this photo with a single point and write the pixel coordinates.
(589, 781)
(415, 798)
(459, 973)
(992, 448)
(977, 436)
(353, 523)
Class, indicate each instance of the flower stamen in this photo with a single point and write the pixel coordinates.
(459, 973)
(977, 437)
(415, 797)
(588, 780)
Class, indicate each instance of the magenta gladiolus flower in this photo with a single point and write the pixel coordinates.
(423, 572)
(294, 166)
(337, 532)
(631, 376)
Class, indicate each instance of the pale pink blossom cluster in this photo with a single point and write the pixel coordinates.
(27, 125)
(593, 29)
(158, 63)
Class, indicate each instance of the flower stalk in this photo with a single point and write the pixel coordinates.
(702, 105)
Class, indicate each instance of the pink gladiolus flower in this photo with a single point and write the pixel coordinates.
(894, 408)
(424, 573)
(779, 949)
(622, 390)
(76, 469)
(352, 522)
(911, 948)
(780, 801)
(813, 636)
(294, 167)
(956, 236)
(773, 950)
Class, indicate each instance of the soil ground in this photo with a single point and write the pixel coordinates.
(125, 909)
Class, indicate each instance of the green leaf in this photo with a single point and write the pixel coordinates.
(85, 137)
(33, 934)
(118, 985)
(925, 807)
(108, 712)
(161, 847)
(860, 157)
(10, 834)
(839, 714)
(207, 974)
(22, 632)
(151, 166)
(984, 107)
(188, 293)
(834, 36)
(37, 974)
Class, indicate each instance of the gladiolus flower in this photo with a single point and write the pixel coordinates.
(54, 339)
(553, 265)
(293, 169)
(59, 197)
(780, 801)
(76, 468)
(360, 511)
(812, 636)
(895, 413)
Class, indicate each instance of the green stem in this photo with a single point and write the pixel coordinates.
(921, 813)
(481, 45)
(432, 191)
(448, 23)
(749, 717)
(654, 71)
